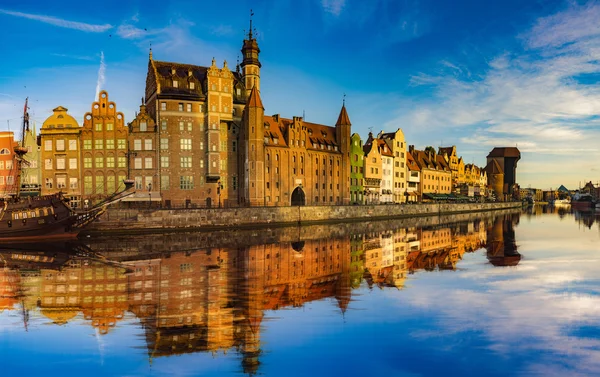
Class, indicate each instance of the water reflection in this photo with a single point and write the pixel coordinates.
(190, 295)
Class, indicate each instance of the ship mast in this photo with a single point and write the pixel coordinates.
(20, 150)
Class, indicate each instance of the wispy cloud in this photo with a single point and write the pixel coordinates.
(333, 7)
(81, 26)
(76, 57)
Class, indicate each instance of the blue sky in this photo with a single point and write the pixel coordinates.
(467, 73)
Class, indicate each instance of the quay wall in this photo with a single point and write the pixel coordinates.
(160, 220)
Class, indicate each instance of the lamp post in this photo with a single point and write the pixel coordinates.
(219, 188)
(150, 195)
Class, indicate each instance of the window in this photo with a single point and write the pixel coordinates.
(110, 144)
(201, 146)
(148, 144)
(99, 162)
(109, 127)
(138, 184)
(137, 145)
(164, 144)
(47, 146)
(189, 126)
(148, 162)
(61, 182)
(180, 107)
(110, 162)
(188, 107)
(73, 183)
(87, 184)
(186, 144)
(164, 182)
(137, 163)
(99, 144)
(175, 84)
(98, 126)
(186, 162)
(60, 163)
(192, 86)
(121, 144)
(49, 183)
(163, 105)
(164, 161)
(60, 145)
(87, 144)
(121, 161)
(47, 164)
(163, 125)
(233, 147)
(72, 145)
(186, 182)
(87, 162)
(201, 164)
(181, 127)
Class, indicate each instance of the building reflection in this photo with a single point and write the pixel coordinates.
(214, 299)
(501, 246)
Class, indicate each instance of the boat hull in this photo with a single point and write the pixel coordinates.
(62, 229)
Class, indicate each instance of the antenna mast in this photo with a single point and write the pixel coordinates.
(20, 150)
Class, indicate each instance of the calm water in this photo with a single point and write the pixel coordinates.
(516, 295)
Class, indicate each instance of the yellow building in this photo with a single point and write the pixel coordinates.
(60, 156)
(436, 176)
(397, 143)
(373, 171)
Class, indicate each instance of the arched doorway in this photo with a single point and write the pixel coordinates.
(298, 198)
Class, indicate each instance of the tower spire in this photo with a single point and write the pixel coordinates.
(250, 30)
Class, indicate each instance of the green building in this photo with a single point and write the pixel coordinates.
(31, 176)
(357, 260)
(356, 170)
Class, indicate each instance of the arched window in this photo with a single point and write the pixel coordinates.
(4, 151)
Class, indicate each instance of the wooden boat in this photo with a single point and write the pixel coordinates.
(46, 217)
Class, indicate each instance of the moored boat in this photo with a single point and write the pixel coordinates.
(582, 201)
(45, 217)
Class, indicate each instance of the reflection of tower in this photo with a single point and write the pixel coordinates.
(501, 245)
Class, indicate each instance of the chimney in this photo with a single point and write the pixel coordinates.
(411, 149)
(276, 118)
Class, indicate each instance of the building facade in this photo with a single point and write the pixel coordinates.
(357, 157)
(7, 164)
(397, 143)
(372, 171)
(104, 151)
(60, 156)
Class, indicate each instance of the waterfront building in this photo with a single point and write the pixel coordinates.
(301, 163)
(413, 184)
(436, 177)
(31, 172)
(387, 172)
(501, 171)
(456, 164)
(397, 143)
(357, 157)
(104, 150)
(60, 156)
(372, 171)
(218, 148)
(142, 161)
(7, 164)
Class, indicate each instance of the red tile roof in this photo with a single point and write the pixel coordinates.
(505, 152)
(343, 119)
(254, 99)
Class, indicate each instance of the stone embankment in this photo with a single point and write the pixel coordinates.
(161, 220)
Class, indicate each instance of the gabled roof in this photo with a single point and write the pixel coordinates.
(505, 152)
(411, 163)
(563, 189)
(384, 148)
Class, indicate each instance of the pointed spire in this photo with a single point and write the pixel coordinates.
(254, 98)
(250, 30)
(150, 51)
(343, 119)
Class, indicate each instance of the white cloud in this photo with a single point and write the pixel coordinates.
(530, 97)
(81, 26)
(333, 7)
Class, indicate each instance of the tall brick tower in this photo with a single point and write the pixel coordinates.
(342, 135)
(254, 151)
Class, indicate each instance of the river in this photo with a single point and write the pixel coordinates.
(489, 294)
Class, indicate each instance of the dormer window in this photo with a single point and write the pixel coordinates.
(238, 91)
(190, 73)
(175, 84)
(173, 71)
(266, 140)
(192, 85)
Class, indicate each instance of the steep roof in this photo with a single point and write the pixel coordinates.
(505, 152)
(411, 163)
(343, 119)
(493, 167)
(384, 148)
(317, 134)
(254, 99)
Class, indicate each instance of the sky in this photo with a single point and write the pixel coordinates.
(475, 74)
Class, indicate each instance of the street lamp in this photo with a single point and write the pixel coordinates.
(219, 188)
